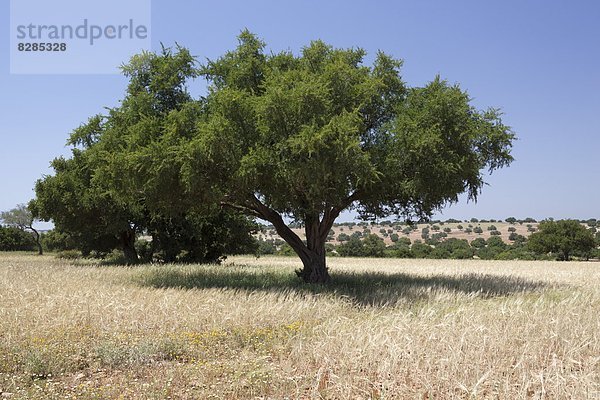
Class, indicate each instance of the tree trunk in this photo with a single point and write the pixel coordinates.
(38, 241)
(313, 258)
(312, 253)
(128, 246)
(314, 266)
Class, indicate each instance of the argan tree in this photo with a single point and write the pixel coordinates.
(562, 238)
(297, 137)
(22, 217)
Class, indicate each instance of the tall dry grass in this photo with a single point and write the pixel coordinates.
(386, 329)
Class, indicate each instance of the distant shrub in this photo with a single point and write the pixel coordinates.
(439, 253)
(14, 239)
(478, 230)
(478, 243)
(420, 250)
(495, 233)
(266, 247)
(512, 229)
(69, 254)
(492, 228)
(343, 237)
(459, 227)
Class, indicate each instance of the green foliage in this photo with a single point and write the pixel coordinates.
(279, 134)
(511, 220)
(373, 246)
(421, 250)
(54, 241)
(343, 237)
(370, 246)
(394, 237)
(478, 230)
(352, 248)
(496, 242)
(455, 248)
(492, 228)
(563, 239)
(22, 217)
(117, 184)
(478, 243)
(15, 239)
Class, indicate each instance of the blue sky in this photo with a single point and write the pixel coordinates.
(537, 60)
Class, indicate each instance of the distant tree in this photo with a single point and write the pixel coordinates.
(478, 243)
(492, 228)
(22, 217)
(15, 239)
(456, 248)
(468, 230)
(562, 238)
(54, 240)
(496, 242)
(512, 229)
(478, 230)
(474, 220)
(373, 246)
(495, 233)
(511, 220)
(352, 248)
(420, 250)
(356, 234)
(343, 237)
(404, 241)
(266, 247)
(459, 227)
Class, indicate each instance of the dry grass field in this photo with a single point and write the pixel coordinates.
(387, 329)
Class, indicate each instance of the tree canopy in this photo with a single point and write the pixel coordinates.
(22, 217)
(300, 137)
(563, 239)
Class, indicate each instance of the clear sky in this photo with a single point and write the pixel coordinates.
(537, 60)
